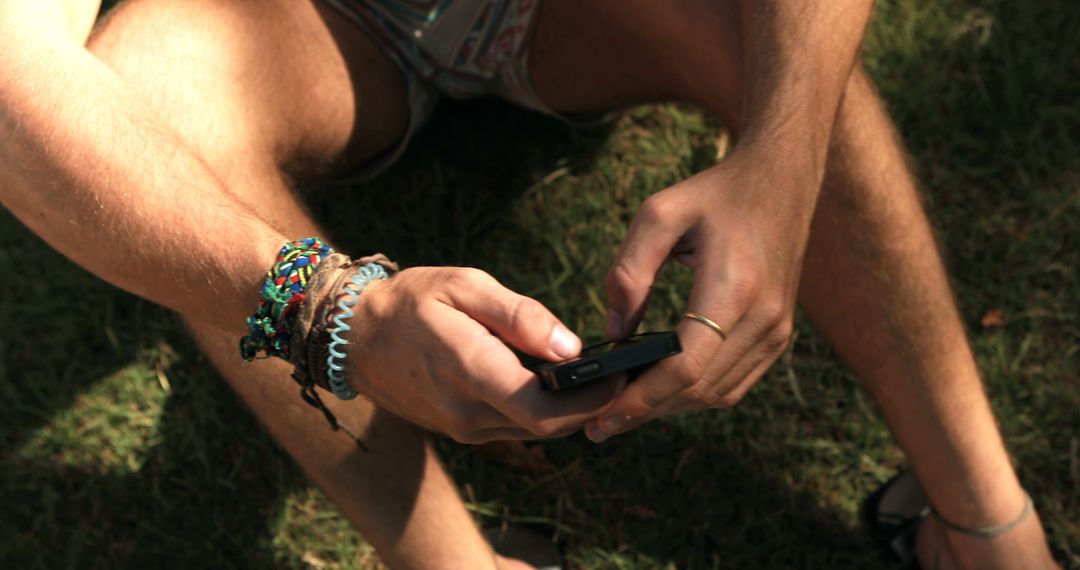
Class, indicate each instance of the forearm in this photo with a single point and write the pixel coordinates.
(797, 56)
(87, 165)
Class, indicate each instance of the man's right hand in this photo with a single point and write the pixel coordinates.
(426, 346)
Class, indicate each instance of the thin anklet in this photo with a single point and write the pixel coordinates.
(989, 532)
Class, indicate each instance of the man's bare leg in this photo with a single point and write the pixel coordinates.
(396, 493)
(256, 88)
(875, 286)
(873, 282)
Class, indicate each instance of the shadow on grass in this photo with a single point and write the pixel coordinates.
(461, 176)
(669, 494)
(187, 479)
(101, 468)
(119, 444)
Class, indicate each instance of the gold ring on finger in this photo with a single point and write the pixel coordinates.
(707, 322)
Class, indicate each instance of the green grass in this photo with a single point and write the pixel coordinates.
(119, 447)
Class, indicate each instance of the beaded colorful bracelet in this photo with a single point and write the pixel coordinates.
(293, 317)
(282, 293)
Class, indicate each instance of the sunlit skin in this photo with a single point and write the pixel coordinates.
(176, 120)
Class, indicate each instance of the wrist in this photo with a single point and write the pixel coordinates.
(778, 177)
(791, 148)
(307, 299)
(346, 294)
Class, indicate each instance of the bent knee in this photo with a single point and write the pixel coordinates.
(81, 15)
(186, 64)
(245, 84)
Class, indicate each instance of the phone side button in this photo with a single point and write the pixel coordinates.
(587, 369)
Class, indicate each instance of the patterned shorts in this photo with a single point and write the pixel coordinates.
(458, 48)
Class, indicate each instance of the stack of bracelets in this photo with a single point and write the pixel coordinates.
(306, 302)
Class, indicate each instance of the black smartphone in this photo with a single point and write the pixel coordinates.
(630, 355)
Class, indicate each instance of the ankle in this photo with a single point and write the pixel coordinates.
(1023, 546)
(983, 507)
(989, 531)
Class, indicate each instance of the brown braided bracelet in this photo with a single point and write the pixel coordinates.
(311, 336)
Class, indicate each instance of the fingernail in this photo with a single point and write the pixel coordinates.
(564, 343)
(595, 434)
(614, 325)
(607, 427)
(615, 424)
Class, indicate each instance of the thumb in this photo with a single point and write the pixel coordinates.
(647, 245)
(521, 321)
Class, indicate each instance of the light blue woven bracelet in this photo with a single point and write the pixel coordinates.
(335, 360)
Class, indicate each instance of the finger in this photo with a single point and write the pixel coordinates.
(735, 375)
(731, 392)
(729, 386)
(737, 356)
(547, 413)
(715, 295)
(485, 417)
(486, 436)
(519, 320)
(738, 365)
(502, 434)
(554, 412)
(464, 424)
(645, 248)
(496, 376)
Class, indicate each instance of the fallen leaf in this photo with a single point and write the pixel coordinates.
(994, 318)
(314, 561)
(162, 379)
(686, 455)
(516, 455)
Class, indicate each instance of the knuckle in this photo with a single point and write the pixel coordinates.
(772, 313)
(453, 278)
(470, 438)
(620, 278)
(474, 276)
(780, 337)
(545, 428)
(699, 398)
(636, 409)
(656, 210)
(426, 309)
(746, 286)
(690, 369)
(526, 313)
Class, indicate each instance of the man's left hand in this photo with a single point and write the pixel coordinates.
(742, 227)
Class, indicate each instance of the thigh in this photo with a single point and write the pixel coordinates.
(258, 84)
(606, 54)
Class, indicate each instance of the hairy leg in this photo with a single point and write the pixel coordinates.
(875, 286)
(873, 282)
(265, 91)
